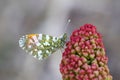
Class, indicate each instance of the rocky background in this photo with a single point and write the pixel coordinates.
(20, 17)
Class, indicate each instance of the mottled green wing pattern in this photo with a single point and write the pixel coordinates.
(41, 46)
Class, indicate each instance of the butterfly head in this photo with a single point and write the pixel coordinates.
(63, 39)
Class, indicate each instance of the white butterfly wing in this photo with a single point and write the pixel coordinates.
(41, 46)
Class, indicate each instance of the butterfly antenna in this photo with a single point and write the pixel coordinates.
(64, 36)
(66, 25)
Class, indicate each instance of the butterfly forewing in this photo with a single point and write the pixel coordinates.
(40, 45)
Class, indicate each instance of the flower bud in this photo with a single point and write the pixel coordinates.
(84, 56)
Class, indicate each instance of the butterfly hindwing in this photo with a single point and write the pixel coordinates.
(40, 45)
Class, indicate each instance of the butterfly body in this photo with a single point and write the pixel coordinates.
(40, 45)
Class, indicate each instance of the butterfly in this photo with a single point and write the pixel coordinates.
(41, 46)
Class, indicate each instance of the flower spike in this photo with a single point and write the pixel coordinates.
(84, 56)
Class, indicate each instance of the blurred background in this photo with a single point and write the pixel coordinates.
(20, 17)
